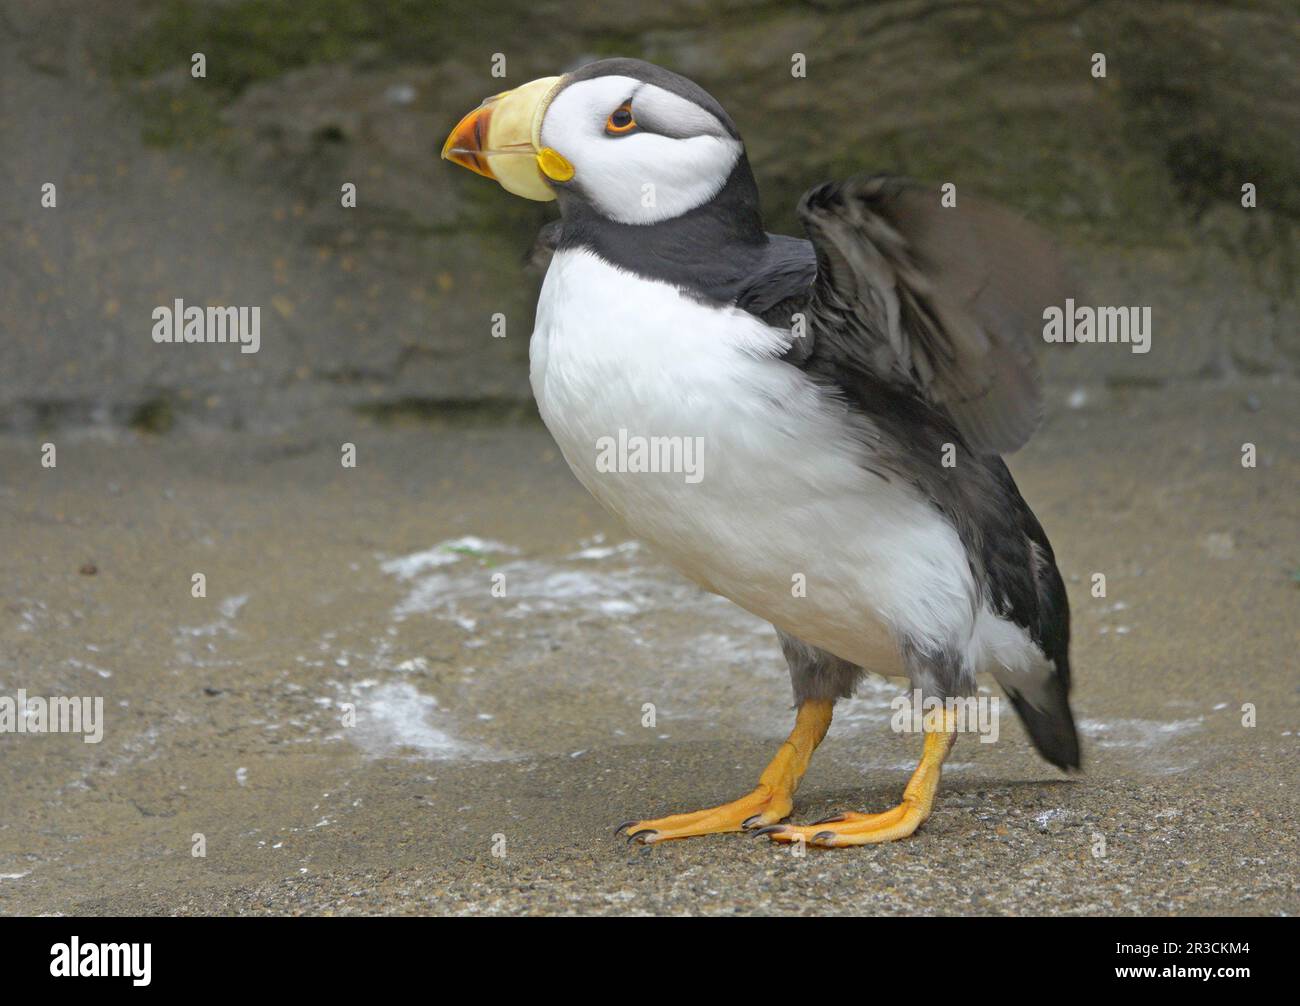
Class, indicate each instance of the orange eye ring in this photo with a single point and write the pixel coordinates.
(620, 120)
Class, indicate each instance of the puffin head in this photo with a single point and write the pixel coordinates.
(621, 138)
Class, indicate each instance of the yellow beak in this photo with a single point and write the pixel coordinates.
(501, 140)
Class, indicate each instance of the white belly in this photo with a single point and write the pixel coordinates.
(780, 517)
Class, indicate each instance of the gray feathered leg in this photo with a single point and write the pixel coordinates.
(815, 673)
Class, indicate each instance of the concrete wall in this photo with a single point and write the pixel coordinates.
(226, 190)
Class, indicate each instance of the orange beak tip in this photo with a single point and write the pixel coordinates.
(464, 145)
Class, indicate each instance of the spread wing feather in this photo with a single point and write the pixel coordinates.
(948, 299)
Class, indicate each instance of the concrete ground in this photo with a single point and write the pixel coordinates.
(514, 724)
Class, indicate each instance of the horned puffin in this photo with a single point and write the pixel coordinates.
(854, 391)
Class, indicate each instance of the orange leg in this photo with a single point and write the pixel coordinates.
(900, 822)
(770, 801)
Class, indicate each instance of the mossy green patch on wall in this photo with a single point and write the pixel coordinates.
(255, 40)
(252, 41)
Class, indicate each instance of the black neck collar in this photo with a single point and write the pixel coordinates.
(711, 251)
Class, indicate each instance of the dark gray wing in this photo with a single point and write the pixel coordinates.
(779, 282)
(922, 321)
(948, 299)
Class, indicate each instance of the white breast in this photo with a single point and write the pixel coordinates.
(781, 496)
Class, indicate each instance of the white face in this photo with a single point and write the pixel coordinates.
(673, 157)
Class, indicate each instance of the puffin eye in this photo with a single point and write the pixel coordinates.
(620, 121)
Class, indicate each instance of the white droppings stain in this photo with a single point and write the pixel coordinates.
(1136, 733)
(83, 666)
(418, 664)
(606, 551)
(230, 606)
(31, 615)
(530, 586)
(551, 603)
(397, 717)
(229, 609)
(443, 554)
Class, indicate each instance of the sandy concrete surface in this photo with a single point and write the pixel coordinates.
(514, 724)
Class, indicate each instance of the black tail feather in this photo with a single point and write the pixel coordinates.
(1051, 727)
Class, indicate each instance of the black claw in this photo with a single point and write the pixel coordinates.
(834, 818)
(823, 835)
(625, 824)
(637, 837)
(750, 821)
(771, 829)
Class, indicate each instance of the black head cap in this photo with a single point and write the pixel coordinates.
(639, 69)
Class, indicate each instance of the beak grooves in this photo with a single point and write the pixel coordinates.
(467, 142)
